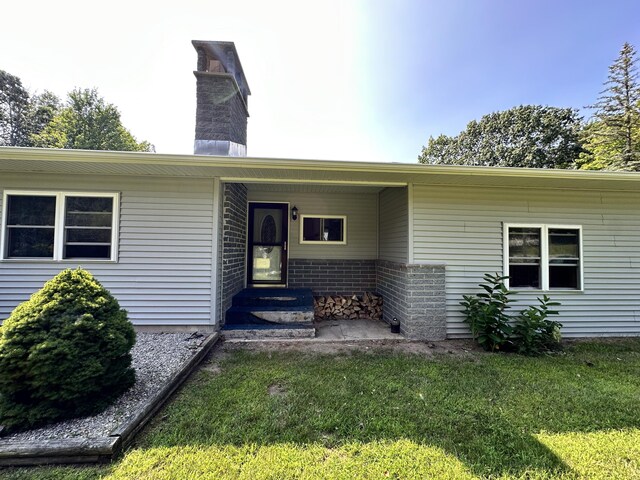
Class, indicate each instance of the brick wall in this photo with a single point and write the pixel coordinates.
(234, 238)
(333, 277)
(415, 295)
(220, 113)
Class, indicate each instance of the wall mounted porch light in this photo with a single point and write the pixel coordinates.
(294, 213)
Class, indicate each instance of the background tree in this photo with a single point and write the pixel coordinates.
(88, 122)
(612, 138)
(14, 111)
(43, 108)
(525, 136)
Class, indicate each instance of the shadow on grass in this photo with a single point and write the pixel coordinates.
(484, 410)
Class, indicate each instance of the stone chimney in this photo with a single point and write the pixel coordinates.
(221, 94)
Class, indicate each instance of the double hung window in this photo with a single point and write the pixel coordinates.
(59, 226)
(543, 257)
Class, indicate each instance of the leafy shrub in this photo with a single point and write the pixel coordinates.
(485, 313)
(533, 332)
(64, 353)
(529, 333)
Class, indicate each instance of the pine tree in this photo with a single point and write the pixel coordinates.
(613, 136)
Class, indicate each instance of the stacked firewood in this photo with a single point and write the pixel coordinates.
(368, 305)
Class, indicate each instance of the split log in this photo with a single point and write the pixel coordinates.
(348, 307)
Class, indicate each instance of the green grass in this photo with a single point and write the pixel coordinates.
(389, 415)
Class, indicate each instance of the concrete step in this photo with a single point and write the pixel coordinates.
(258, 332)
(271, 306)
(269, 315)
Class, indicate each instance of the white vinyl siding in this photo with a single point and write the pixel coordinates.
(394, 230)
(463, 227)
(361, 210)
(164, 271)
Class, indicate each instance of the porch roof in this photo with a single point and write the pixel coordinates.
(294, 171)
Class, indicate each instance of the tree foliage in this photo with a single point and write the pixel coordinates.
(64, 353)
(88, 122)
(524, 136)
(43, 108)
(84, 121)
(612, 137)
(14, 111)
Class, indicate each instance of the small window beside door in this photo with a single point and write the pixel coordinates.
(325, 229)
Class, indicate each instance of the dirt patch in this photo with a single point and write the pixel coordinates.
(276, 390)
(211, 367)
(447, 347)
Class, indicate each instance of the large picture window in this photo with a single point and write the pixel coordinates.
(324, 229)
(543, 257)
(59, 226)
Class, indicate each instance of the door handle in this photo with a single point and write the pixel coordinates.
(285, 245)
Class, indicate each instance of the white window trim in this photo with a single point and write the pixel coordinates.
(544, 255)
(323, 242)
(58, 236)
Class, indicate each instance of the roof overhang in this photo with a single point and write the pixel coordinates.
(273, 170)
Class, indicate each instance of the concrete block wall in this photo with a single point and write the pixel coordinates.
(220, 112)
(234, 239)
(415, 295)
(333, 277)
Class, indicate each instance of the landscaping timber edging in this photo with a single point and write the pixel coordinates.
(103, 449)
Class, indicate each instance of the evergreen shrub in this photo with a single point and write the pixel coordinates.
(64, 353)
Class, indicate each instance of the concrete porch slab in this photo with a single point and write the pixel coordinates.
(353, 330)
(329, 331)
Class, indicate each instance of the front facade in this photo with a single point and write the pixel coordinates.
(175, 237)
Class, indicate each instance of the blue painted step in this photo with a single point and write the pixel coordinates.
(271, 307)
(285, 297)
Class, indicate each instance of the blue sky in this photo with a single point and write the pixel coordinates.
(334, 79)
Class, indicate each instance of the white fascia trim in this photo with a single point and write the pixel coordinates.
(97, 156)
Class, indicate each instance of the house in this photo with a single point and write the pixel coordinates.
(175, 237)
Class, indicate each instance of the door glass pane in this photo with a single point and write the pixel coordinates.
(267, 263)
(267, 225)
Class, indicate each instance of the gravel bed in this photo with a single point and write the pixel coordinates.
(156, 356)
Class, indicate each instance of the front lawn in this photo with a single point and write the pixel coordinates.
(382, 414)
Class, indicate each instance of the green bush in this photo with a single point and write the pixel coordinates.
(528, 333)
(485, 313)
(64, 353)
(533, 332)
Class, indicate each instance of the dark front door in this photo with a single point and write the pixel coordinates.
(268, 235)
